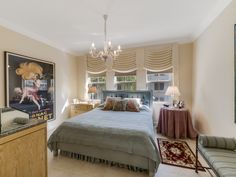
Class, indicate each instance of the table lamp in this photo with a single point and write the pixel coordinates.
(92, 90)
(173, 92)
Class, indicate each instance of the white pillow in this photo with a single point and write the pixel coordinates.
(145, 108)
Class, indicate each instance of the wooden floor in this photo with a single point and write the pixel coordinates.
(66, 167)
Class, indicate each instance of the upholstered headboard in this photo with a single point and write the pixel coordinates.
(145, 95)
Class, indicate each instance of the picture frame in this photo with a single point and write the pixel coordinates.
(30, 85)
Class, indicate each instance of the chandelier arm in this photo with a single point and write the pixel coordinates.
(94, 53)
(112, 53)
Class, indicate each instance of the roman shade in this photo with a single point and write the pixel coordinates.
(126, 62)
(95, 66)
(133, 73)
(158, 60)
(97, 75)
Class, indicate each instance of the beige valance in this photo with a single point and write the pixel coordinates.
(133, 73)
(95, 66)
(158, 60)
(126, 62)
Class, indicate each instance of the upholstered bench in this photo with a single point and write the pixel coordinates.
(219, 153)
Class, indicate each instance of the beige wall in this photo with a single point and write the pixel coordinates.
(82, 79)
(213, 73)
(185, 73)
(66, 76)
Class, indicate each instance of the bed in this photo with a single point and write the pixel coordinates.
(118, 138)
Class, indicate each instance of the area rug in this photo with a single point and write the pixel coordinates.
(177, 153)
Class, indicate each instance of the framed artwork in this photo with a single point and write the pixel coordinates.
(30, 85)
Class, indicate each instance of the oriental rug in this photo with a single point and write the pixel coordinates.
(177, 153)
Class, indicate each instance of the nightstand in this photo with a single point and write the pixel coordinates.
(80, 108)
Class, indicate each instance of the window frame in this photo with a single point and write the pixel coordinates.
(99, 81)
(128, 78)
(161, 77)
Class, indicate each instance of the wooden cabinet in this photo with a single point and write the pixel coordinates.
(79, 108)
(24, 153)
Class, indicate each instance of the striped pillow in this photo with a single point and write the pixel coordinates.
(119, 105)
(217, 142)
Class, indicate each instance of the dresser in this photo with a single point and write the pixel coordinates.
(23, 151)
(80, 108)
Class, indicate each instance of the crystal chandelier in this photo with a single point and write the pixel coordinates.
(107, 51)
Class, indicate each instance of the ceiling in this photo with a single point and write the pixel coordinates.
(72, 25)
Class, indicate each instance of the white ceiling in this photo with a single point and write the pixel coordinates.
(72, 25)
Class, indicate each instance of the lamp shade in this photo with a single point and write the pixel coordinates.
(92, 89)
(172, 91)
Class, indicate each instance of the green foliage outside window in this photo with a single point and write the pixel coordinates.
(126, 78)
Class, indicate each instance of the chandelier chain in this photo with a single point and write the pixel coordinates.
(105, 27)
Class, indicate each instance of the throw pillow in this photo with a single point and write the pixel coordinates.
(132, 105)
(217, 142)
(138, 100)
(119, 105)
(110, 102)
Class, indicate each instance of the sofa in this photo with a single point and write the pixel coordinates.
(219, 153)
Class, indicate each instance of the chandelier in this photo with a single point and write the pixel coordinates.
(107, 51)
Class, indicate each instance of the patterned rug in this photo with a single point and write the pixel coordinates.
(177, 153)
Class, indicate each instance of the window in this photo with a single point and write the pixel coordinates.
(159, 86)
(158, 83)
(125, 81)
(98, 81)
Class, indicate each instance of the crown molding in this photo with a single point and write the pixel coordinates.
(220, 6)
